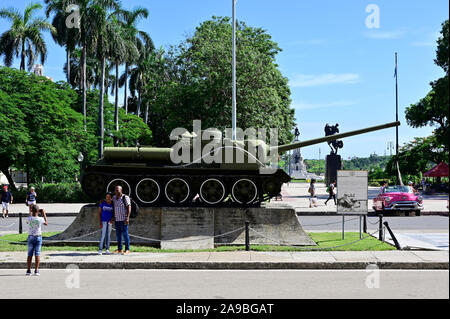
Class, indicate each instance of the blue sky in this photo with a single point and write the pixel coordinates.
(339, 70)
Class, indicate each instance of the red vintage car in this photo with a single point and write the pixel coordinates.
(398, 198)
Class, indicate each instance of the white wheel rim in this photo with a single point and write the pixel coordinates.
(119, 179)
(177, 179)
(151, 180)
(221, 184)
(234, 197)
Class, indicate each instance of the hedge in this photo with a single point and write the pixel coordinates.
(54, 193)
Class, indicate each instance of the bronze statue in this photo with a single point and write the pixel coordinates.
(334, 145)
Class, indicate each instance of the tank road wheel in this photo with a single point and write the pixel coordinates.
(177, 191)
(244, 191)
(94, 185)
(148, 191)
(212, 191)
(272, 187)
(126, 189)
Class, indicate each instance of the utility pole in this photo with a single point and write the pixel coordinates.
(234, 72)
(399, 176)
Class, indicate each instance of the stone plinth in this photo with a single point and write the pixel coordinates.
(198, 228)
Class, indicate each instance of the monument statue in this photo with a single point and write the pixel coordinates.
(334, 145)
(333, 161)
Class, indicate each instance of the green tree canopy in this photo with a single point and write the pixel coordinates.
(41, 127)
(433, 110)
(418, 156)
(200, 77)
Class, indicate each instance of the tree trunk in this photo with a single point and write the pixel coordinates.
(125, 102)
(116, 112)
(22, 60)
(100, 110)
(146, 114)
(138, 111)
(5, 171)
(68, 64)
(83, 81)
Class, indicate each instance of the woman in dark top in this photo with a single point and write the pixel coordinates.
(106, 215)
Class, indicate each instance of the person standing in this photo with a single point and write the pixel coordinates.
(35, 238)
(382, 188)
(31, 199)
(332, 193)
(312, 192)
(106, 214)
(7, 199)
(122, 212)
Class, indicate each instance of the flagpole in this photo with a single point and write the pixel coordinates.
(399, 176)
(234, 72)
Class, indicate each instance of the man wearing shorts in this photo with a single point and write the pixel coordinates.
(7, 199)
(35, 238)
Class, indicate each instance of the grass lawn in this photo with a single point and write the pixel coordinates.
(324, 242)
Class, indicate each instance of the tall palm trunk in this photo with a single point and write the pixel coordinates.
(23, 55)
(68, 64)
(116, 112)
(100, 110)
(146, 114)
(125, 101)
(83, 83)
(138, 111)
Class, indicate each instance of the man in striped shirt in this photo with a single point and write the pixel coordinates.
(122, 211)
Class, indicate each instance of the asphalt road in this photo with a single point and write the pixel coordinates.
(198, 284)
(310, 224)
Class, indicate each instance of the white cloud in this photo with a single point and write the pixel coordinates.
(309, 106)
(384, 35)
(429, 42)
(305, 80)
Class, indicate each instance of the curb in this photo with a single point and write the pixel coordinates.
(236, 265)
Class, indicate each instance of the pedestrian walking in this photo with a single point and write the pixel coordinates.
(332, 193)
(106, 216)
(31, 199)
(122, 212)
(35, 238)
(312, 194)
(7, 199)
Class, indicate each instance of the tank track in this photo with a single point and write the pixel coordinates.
(186, 187)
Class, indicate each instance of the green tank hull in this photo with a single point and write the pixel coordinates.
(149, 176)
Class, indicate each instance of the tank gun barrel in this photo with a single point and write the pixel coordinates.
(293, 146)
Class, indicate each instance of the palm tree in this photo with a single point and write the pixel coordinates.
(140, 39)
(119, 47)
(90, 21)
(24, 38)
(110, 46)
(65, 36)
(146, 76)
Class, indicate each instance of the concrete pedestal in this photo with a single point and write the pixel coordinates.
(333, 164)
(198, 228)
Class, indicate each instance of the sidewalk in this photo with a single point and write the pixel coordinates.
(52, 210)
(236, 260)
(296, 195)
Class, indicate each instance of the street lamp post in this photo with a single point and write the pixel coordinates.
(80, 160)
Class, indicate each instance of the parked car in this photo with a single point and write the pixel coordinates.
(398, 198)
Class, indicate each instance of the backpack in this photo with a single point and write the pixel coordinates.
(134, 207)
(328, 189)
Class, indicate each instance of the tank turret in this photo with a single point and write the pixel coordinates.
(230, 173)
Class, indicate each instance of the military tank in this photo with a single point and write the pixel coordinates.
(150, 177)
